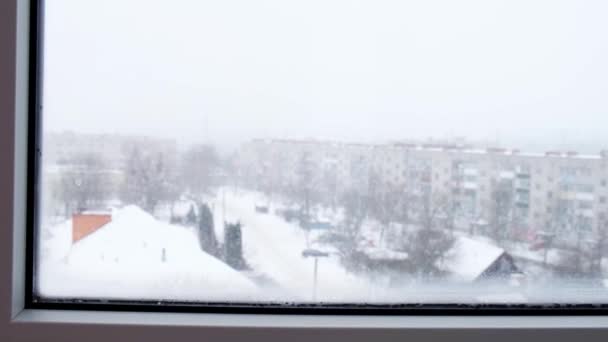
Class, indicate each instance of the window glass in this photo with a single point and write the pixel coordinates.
(336, 151)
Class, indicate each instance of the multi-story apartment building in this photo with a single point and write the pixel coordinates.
(556, 191)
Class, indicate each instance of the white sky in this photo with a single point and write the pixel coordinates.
(524, 72)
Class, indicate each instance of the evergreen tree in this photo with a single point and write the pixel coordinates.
(206, 231)
(191, 216)
(233, 245)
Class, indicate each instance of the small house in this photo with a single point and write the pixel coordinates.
(472, 260)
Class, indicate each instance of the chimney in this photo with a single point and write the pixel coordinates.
(84, 224)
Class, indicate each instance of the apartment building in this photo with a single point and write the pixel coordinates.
(562, 192)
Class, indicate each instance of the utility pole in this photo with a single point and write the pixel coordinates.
(224, 204)
(316, 254)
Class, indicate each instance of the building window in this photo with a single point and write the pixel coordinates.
(585, 205)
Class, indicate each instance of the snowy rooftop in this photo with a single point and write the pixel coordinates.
(443, 147)
(469, 258)
(138, 257)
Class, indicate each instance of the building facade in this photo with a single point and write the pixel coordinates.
(564, 193)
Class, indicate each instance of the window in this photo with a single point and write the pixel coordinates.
(585, 205)
(204, 214)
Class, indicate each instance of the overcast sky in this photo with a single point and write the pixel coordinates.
(222, 71)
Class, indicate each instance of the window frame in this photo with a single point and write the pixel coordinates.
(23, 321)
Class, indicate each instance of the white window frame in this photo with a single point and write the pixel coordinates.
(20, 324)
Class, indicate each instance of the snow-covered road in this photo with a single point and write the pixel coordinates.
(274, 247)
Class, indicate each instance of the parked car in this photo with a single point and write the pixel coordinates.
(262, 209)
(288, 215)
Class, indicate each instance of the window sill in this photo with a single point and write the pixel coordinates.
(313, 321)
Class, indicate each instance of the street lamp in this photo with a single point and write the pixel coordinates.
(316, 254)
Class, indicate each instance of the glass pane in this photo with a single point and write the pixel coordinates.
(335, 151)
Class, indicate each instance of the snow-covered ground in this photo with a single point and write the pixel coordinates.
(139, 257)
(274, 247)
(136, 257)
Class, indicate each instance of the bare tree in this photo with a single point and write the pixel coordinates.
(598, 248)
(149, 178)
(384, 203)
(273, 179)
(84, 184)
(434, 211)
(431, 241)
(450, 209)
(573, 226)
(427, 247)
(355, 204)
(501, 210)
(329, 184)
(356, 208)
(199, 168)
(304, 189)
